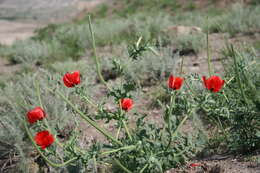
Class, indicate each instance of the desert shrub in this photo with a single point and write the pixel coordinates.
(64, 47)
(254, 2)
(84, 66)
(150, 68)
(61, 42)
(26, 51)
(244, 98)
(132, 7)
(193, 42)
(42, 11)
(238, 19)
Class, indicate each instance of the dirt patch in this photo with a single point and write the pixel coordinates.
(218, 41)
(6, 67)
(84, 5)
(10, 31)
(220, 164)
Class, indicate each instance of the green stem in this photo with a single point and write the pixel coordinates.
(208, 48)
(118, 131)
(130, 147)
(170, 141)
(122, 166)
(95, 163)
(95, 55)
(179, 126)
(192, 93)
(238, 75)
(172, 102)
(182, 152)
(40, 152)
(127, 131)
(38, 92)
(143, 169)
(182, 63)
(89, 101)
(91, 122)
(222, 128)
(175, 133)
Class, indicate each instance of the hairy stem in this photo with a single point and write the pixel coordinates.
(130, 147)
(172, 102)
(91, 122)
(38, 92)
(127, 131)
(118, 132)
(143, 169)
(122, 166)
(182, 63)
(96, 59)
(89, 101)
(238, 75)
(208, 49)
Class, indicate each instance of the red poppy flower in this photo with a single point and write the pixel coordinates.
(126, 104)
(35, 114)
(71, 79)
(195, 164)
(44, 139)
(214, 83)
(175, 83)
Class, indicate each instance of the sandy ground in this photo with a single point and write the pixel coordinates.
(11, 31)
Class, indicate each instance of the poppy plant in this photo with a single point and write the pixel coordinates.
(214, 83)
(44, 139)
(35, 114)
(126, 104)
(175, 83)
(71, 79)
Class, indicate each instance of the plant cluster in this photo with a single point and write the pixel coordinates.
(147, 147)
(232, 105)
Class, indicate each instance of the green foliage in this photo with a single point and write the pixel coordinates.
(150, 154)
(134, 6)
(157, 148)
(244, 99)
(255, 2)
(150, 68)
(15, 106)
(235, 110)
(237, 19)
(102, 11)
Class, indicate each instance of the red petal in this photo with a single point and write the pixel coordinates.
(126, 104)
(178, 83)
(195, 164)
(67, 81)
(76, 77)
(71, 79)
(171, 81)
(44, 139)
(205, 81)
(35, 114)
(175, 82)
